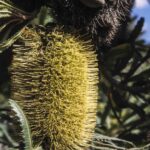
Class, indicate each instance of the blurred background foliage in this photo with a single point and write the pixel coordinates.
(124, 109)
(124, 104)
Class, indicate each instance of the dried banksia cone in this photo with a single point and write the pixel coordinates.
(54, 77)
(101, 22)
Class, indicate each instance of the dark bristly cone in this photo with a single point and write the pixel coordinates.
(102, 22)
(54, 77)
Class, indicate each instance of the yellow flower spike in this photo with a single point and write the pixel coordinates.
(55, 83)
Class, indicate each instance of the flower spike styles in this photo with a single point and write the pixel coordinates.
(54, 77)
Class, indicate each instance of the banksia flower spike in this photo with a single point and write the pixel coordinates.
(54, 76)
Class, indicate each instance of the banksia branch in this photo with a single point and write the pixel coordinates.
(54, 77)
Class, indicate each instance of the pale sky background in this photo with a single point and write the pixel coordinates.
(142, 9)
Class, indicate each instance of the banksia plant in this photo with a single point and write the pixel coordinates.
(54, 77)
(54, 71)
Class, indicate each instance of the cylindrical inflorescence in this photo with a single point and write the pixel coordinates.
(54, 78)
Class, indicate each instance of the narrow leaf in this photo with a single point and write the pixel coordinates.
(12, 20)
(24, 124)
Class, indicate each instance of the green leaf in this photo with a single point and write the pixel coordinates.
(4, 132)
(118, 51)
(25, 126)
(137, 30)
(12, 20)
(7, 43)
